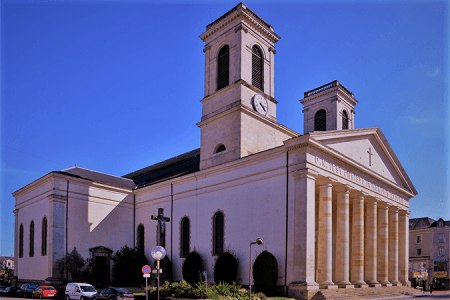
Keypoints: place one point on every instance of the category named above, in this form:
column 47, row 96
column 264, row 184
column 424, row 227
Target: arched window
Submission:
column 44, row 237
column 344, row 120
column 218, row 223
column 32, row 239
column 220, row 148
column 140, row 239
column 223, row 67
column 185, row 236
column 320, row 121
column 21, row 241
column 257, row 68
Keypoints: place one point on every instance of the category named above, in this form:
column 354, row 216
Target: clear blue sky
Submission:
column 115, row 86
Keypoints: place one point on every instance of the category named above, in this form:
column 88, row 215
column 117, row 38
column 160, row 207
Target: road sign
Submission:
column 146, row 269
column 146, row 275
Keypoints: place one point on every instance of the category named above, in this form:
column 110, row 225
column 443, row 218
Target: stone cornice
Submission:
column 351, row 165
column 338, row 90
column 242, row 14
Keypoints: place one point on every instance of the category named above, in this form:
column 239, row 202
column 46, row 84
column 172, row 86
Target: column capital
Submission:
column 326, row 181
column 16, row 212
column 403, row 212
column 57, row 198
column 305, row 173
column 394, row 209
column 382, row 204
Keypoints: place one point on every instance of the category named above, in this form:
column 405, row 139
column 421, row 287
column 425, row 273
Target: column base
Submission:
column 304, row 290
column 360, row 284
column 345, row 286
column 396, row 284
column 327, row 286
column 375, row 285
column 406, row 283
column 385, row 283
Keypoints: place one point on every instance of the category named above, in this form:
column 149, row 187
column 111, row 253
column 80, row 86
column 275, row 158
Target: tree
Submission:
column 75, row 265
column 128, row 263
column 226, row 268
column 192, row 268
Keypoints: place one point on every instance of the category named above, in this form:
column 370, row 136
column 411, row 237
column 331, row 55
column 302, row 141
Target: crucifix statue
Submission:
column 162, row 226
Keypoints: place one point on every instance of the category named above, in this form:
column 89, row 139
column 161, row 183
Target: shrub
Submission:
column 265, row 272
column 128, row 263
column 226, row 268
column 192, row 268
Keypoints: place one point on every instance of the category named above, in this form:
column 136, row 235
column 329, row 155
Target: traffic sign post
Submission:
column 146, row 270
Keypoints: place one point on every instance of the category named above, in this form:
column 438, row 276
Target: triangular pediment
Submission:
column 369, row 148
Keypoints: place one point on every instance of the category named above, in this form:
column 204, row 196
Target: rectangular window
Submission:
column 441, row 251
column 419, row 252
column 419, row 239
column 441, row 238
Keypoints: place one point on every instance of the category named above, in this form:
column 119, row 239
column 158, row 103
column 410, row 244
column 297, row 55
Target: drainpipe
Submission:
column 171, row 218
column 134, row 221
column 67, row 227
column 287, row 216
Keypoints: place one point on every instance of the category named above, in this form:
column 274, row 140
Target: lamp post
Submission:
column 259, row 241
column 158, row 253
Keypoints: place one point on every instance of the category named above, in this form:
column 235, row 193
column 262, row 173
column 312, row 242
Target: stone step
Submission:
column 365, row 293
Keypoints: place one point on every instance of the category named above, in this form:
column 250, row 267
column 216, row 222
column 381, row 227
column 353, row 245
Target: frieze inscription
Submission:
column 343, row 172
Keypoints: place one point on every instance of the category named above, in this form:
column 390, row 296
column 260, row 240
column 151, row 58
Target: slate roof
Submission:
column 174, row 167
column 98, row 177
column 435, row 223
column 420, row 223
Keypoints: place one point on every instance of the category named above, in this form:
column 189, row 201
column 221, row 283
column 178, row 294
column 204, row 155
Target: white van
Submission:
column 79, row 291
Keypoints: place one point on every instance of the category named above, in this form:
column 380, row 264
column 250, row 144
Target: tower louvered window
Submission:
column 344, row 120
column 320, row 121
column 223, row 67
column 257, row 68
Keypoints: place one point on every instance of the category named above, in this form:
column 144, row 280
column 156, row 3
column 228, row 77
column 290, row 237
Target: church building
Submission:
column 331, row 204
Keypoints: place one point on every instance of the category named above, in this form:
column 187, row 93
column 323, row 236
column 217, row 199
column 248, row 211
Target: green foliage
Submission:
column 226, row 268
column 192, row 268
column 127, row 268
column 75, row 264
column 265, row 272
column 216, row 292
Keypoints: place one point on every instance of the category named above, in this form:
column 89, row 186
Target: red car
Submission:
column 44, row 292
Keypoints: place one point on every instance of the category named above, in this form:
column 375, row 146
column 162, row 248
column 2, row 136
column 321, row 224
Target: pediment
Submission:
column 369, row 148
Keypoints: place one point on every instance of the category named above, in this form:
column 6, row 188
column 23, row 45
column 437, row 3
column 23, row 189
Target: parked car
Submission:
column 79, row 291
column 44, row 292
column 26, row 289
column 10, row 291
column 111, row 293
column 60, row 290
column 2, row 288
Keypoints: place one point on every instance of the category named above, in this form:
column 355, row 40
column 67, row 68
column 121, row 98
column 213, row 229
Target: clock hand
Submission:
column 262, row 106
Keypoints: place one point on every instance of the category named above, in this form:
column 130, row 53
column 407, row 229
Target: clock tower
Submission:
column 239, row 108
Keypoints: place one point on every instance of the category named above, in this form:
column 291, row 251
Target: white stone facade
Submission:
column 332, row 206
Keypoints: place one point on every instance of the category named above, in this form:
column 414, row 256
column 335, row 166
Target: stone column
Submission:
column 382, row 245
column 393, row 246
column 358, row 242
column 301, row 270
column 343, row 240
column 403, row 247
column 370, row 249
column 325, row 237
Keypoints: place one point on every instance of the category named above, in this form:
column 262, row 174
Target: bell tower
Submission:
column 328, row 107
column 239, row 108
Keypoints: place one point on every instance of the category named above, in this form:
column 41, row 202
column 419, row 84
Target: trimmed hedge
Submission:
column 192, row 268
column 265, row 272
column 226, row 268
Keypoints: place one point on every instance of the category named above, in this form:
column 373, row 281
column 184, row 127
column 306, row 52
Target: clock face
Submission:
column 260, row 104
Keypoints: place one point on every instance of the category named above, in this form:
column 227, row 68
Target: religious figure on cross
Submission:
column 162, row 226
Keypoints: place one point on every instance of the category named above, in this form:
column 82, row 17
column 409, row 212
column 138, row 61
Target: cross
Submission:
column 162, row 226
column 370, row 156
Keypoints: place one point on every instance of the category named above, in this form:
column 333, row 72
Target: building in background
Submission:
column 429, row 251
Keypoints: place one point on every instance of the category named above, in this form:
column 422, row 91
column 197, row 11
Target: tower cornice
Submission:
column 246, row 16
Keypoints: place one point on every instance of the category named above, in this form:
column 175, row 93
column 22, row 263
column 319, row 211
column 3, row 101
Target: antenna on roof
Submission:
column 75, row 165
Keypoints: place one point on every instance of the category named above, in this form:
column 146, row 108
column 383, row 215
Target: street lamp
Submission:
column 158, row 253
column 259, row 241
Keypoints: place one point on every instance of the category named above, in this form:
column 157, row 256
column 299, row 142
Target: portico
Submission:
column 359, row 217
